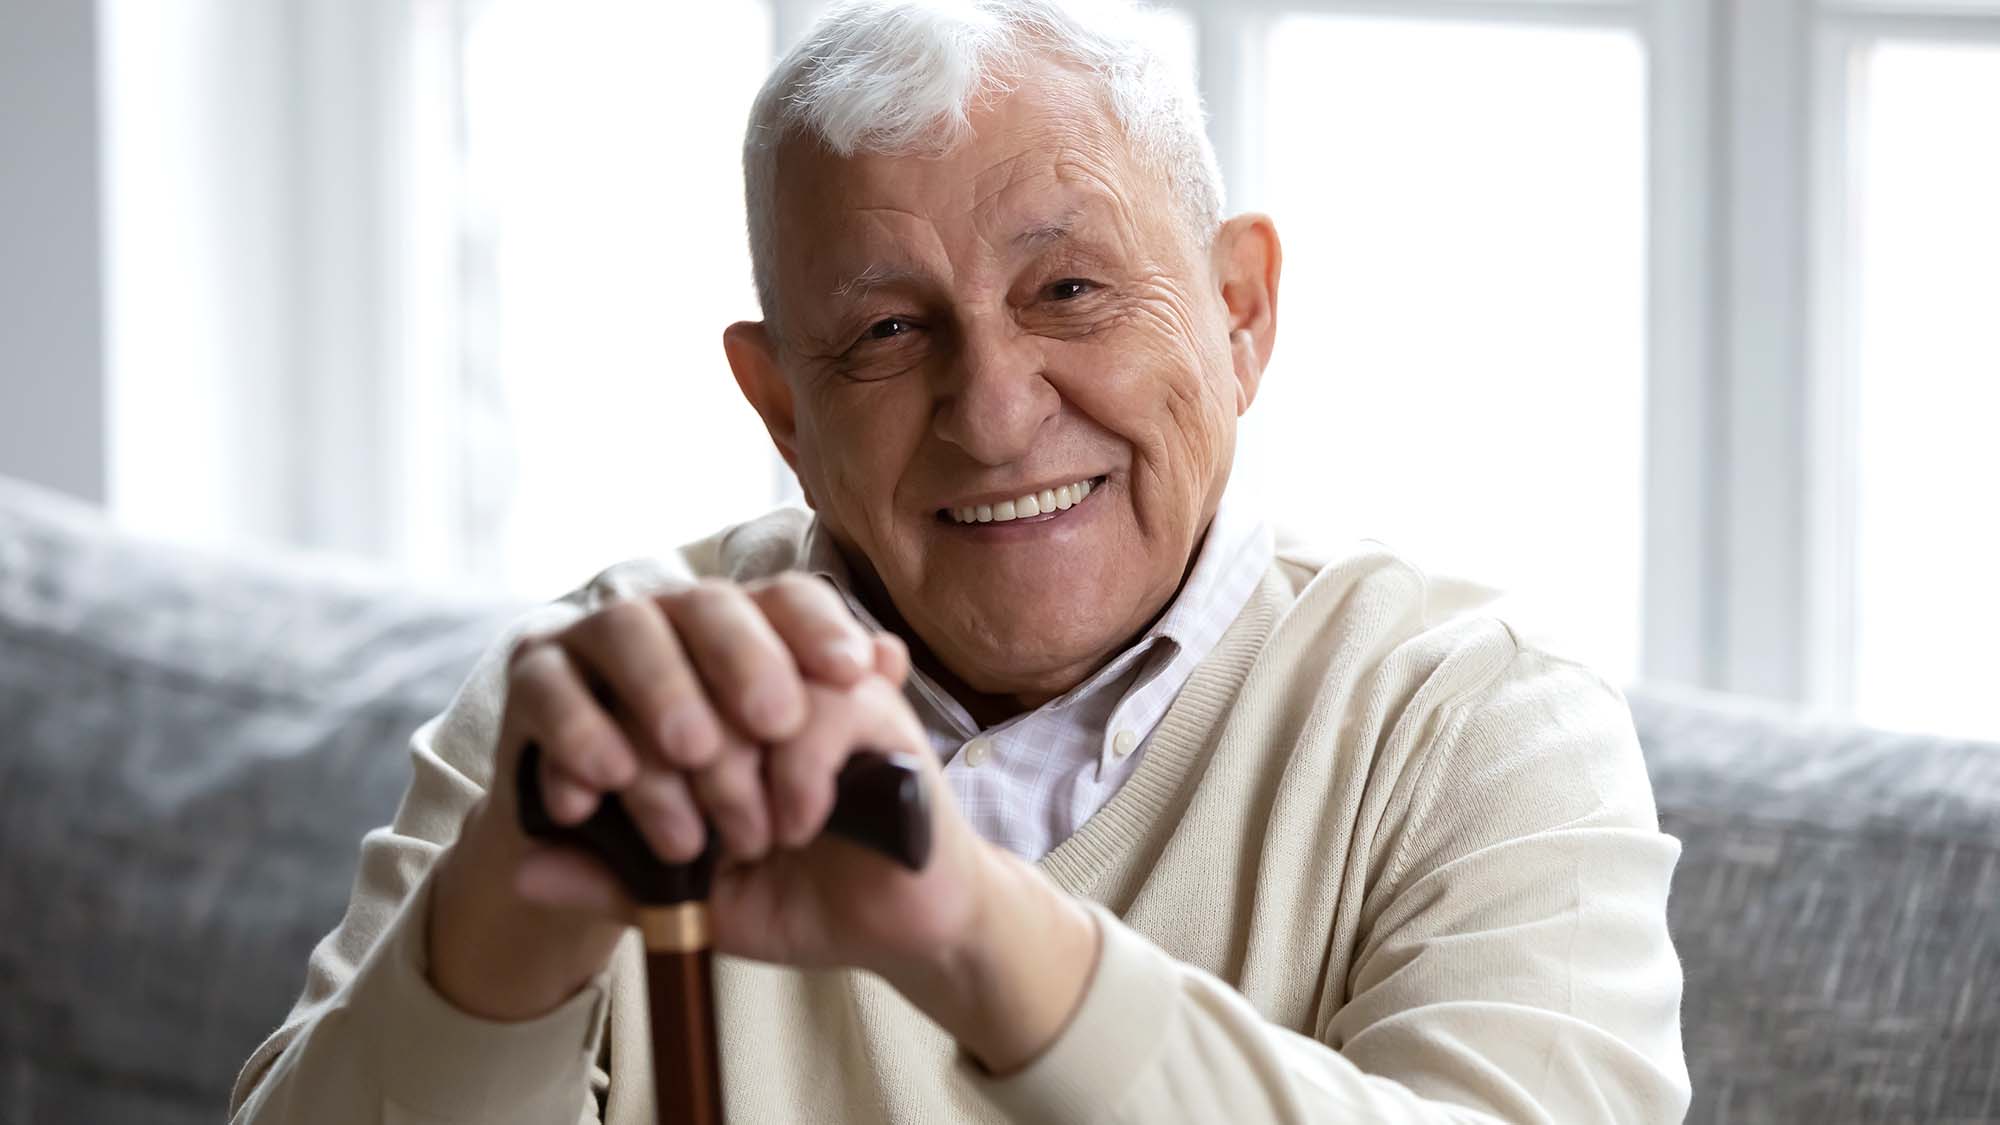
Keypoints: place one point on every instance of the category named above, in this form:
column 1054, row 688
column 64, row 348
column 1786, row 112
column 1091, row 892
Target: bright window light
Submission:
column 1928, row 519
column 1460, row 363
column 603, row 158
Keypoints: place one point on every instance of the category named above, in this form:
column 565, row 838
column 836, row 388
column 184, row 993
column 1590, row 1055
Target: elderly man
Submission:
column 1226, row 830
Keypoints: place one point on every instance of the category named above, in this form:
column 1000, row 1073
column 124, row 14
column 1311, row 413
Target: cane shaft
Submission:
column 680, row 994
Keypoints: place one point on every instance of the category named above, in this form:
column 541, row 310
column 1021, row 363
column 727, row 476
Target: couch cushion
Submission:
column 1836, row 910
column 190, row 748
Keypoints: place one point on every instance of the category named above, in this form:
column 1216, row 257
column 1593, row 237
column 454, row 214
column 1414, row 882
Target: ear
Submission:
column 1246, row 259
column 753, row 358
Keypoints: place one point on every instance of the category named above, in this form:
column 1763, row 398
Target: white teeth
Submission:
column 1021, row 507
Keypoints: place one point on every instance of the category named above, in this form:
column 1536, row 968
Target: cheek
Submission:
column 1166, row 396
column 856, row 443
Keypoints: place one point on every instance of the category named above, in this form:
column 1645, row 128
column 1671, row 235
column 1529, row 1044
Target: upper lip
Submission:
column 1002, row 495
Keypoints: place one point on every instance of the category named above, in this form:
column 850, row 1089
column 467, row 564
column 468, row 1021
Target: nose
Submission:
column 996, row 399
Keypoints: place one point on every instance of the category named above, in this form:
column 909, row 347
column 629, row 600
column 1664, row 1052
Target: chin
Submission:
column 1047, row 648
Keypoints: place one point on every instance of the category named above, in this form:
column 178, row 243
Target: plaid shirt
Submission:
column 1026, row 784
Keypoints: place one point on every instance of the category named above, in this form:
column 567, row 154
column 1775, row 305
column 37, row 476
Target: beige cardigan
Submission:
column 1383, row 860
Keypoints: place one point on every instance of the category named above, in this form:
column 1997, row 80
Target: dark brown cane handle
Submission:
column 880, row 802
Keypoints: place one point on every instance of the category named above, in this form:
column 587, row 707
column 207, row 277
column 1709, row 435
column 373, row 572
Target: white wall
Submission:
column 52, row 396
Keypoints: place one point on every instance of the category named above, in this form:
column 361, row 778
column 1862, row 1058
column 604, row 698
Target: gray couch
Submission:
column 190, row 748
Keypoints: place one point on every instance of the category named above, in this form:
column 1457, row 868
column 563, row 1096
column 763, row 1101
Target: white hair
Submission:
column 899, row 77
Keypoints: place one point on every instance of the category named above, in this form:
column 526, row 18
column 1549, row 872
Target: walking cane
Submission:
column 879, row 803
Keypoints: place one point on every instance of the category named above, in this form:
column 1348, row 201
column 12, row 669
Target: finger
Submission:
column 629, row 647
column 664, row 810
column 731, row 794
column 880, row 718
column 751, row 677
column 799, row 772
column 892, row 658
column 555, row 708
column 567, row 879
column 565, row 799
column 828, row 644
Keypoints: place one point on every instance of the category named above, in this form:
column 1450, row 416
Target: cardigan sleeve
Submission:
column 369, row 1038
column 1514, row 963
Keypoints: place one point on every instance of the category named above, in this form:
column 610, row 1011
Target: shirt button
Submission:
column 1123, row 743
column 977, row 751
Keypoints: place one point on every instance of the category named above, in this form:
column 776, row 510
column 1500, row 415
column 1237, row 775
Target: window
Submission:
column 601, row 156
column 1927, row 194
column 1461, row 372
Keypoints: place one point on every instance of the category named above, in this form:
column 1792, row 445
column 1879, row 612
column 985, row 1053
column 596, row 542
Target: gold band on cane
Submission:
column 680, row 928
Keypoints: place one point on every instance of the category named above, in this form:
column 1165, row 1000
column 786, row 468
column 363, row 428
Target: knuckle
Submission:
column 712, row 591
column 817, row 601
column 740, row 786
column 577, row 731
column 525, row 648
column 658, row 793
column 792, row 586
column 602, row 627
column 615, row 617
column 734, row 780
column 875, row 693
column 528, row 679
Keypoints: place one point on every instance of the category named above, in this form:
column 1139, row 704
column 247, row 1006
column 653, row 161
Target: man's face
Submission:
column 1026, row 316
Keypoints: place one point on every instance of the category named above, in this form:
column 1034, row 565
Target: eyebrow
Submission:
column 875, row 277
column 1043, row 233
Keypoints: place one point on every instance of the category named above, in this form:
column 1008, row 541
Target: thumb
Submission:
column 892, row 658
column 567, row 879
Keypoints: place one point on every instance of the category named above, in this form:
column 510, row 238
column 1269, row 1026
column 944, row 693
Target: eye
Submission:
column 1069, row 288
column 888, row 327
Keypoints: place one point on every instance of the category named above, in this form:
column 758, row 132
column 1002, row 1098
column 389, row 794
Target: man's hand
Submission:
column 737, row 706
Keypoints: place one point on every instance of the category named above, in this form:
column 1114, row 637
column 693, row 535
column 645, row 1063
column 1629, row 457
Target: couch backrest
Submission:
column 1836, row 910
column 189, row 751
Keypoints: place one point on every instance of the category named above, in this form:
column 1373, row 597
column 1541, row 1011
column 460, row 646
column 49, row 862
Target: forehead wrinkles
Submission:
column 866, row 244
column 1060, row 188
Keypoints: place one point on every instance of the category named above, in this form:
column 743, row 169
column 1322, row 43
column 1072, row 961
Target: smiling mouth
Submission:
column 1046, row 504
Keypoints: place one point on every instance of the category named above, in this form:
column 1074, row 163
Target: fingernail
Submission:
column 854, row 654
column 689, row 836
column 577, row 804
